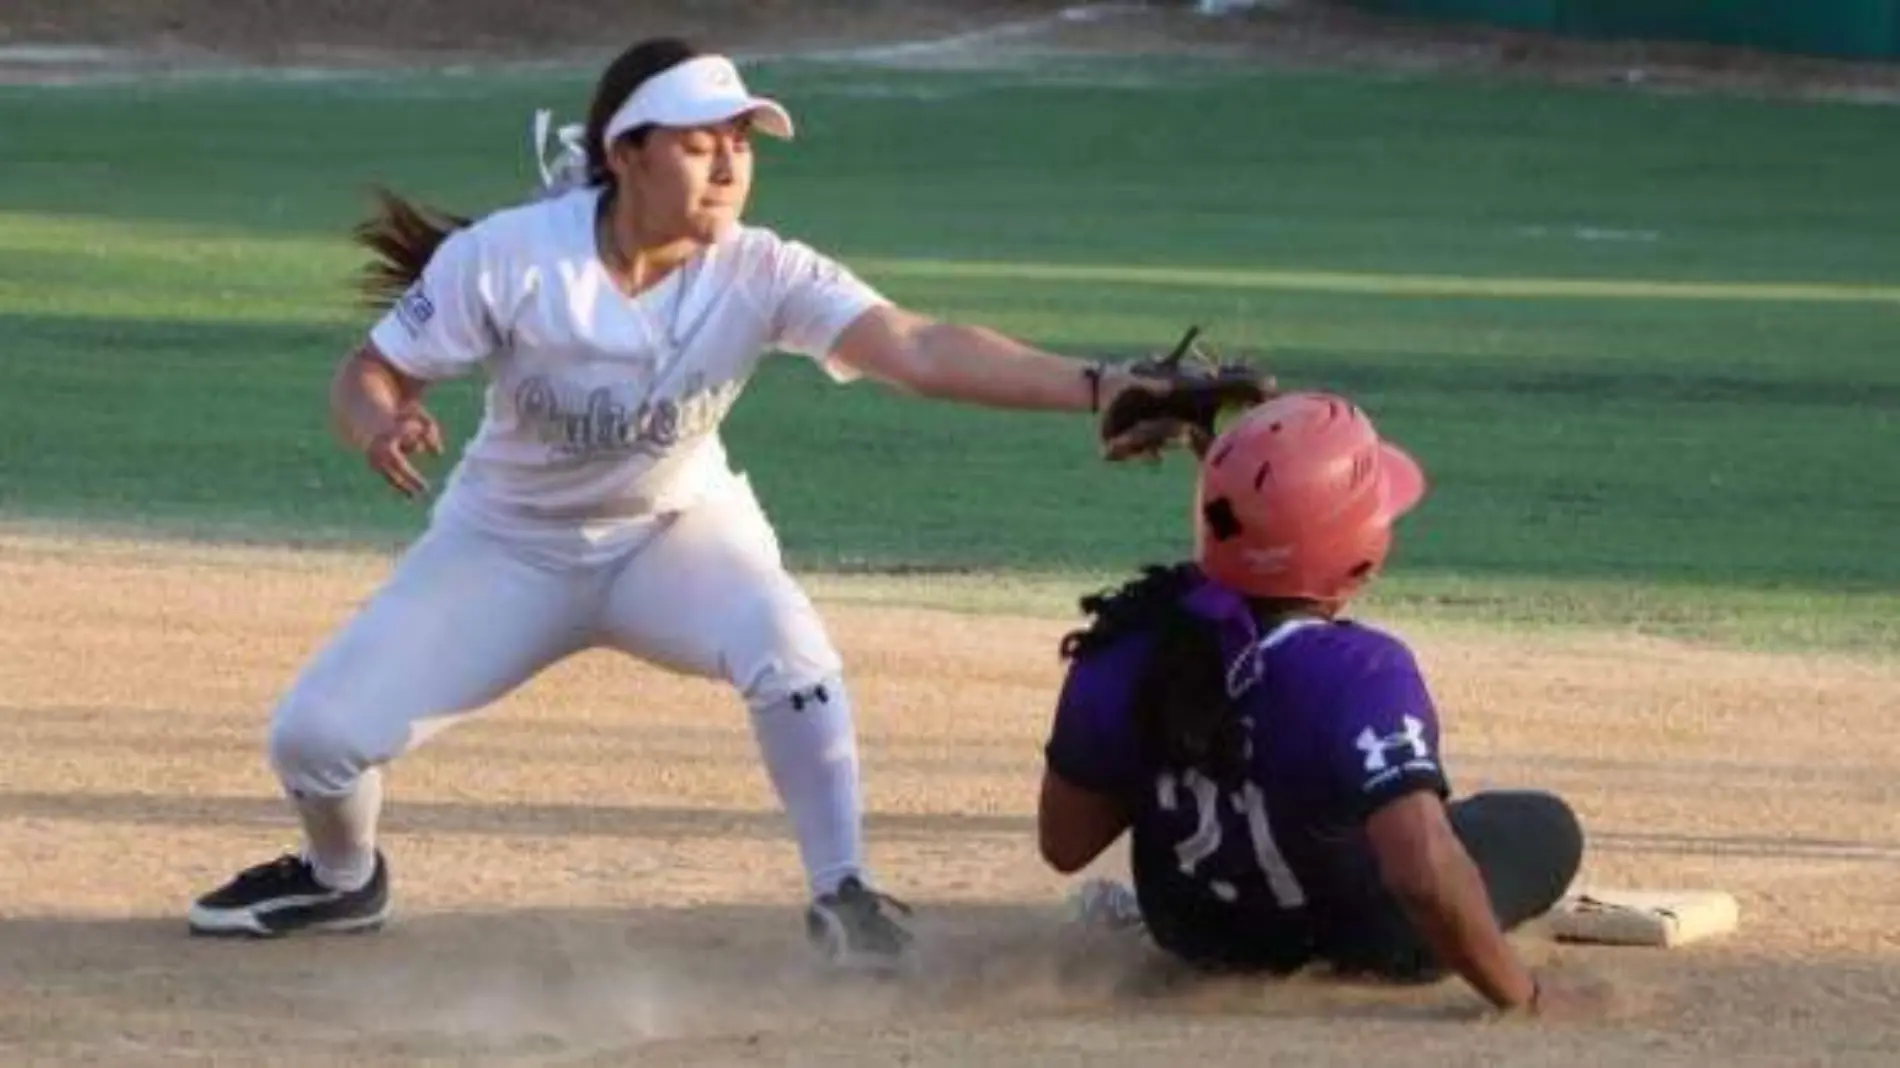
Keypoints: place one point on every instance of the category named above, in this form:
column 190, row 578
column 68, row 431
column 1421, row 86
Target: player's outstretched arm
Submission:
column 1142, row 406
column 1428, row 871
column 973, row 364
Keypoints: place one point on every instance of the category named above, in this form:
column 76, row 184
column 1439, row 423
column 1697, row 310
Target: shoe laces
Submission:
column 271, row 870
column 855, row 889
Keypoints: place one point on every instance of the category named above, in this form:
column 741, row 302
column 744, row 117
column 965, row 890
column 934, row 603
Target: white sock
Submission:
column 340, row 833
column 811, row 754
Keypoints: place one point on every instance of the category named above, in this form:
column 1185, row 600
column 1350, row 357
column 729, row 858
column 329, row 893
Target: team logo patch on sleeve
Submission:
column 1388, row 756
column 414, row 311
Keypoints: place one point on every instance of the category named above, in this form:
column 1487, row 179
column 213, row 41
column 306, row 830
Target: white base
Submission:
column 1659, row 918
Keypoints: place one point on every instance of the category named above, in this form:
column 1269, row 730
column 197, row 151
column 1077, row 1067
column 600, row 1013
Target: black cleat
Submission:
column 283, row 897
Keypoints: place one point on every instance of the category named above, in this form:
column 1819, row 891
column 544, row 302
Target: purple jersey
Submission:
column 1338, row 721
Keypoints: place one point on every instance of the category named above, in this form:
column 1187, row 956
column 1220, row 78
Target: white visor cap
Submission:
column 699, row 92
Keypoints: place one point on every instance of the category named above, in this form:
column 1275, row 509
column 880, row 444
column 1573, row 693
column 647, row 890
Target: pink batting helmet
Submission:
column 1297, row 499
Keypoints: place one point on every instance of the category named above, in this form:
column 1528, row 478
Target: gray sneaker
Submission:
column 1106, row 905
column 853, row 928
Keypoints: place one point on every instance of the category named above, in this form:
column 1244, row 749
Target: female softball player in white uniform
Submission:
column 615, row 322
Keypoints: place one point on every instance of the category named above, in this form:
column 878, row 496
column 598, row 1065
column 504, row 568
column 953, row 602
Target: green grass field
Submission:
column 1645, row 345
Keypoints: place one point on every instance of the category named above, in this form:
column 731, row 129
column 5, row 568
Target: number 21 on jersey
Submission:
column 1248, row 802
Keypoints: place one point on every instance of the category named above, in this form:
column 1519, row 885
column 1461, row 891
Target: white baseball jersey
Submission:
column 603, row 411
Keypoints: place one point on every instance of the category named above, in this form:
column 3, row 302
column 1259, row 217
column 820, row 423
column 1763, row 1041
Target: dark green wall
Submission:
column 1857, row 29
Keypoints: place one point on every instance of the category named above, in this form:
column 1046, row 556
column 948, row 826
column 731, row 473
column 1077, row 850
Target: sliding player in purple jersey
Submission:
column 1277, row 765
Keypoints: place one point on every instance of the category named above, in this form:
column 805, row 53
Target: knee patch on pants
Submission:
column 782, row 693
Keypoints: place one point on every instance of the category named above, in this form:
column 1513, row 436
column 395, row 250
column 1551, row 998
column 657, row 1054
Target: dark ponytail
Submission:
column 1183, row 716
column 402, row 235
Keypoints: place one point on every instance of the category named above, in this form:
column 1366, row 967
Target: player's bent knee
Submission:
column 797, row 693
column 777, row 655
column 313, row 749
column 1548, row 820
column 1560, row 828
column 1549, row 831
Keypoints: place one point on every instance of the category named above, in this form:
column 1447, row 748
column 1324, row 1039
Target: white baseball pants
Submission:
column 465, row 618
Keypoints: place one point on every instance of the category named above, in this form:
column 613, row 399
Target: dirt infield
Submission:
column 593, row 873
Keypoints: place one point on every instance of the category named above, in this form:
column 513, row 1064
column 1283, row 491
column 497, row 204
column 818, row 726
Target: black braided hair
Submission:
column 1183, row 716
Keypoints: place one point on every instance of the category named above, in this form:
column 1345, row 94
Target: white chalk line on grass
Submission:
column 1593, row 234
column 59, row 55
column 62, row 65
column 1390, row 285
column 969, row 42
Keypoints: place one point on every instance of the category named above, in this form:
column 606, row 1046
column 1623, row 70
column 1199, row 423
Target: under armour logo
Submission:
column 816, row 693
column 1376, row 746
